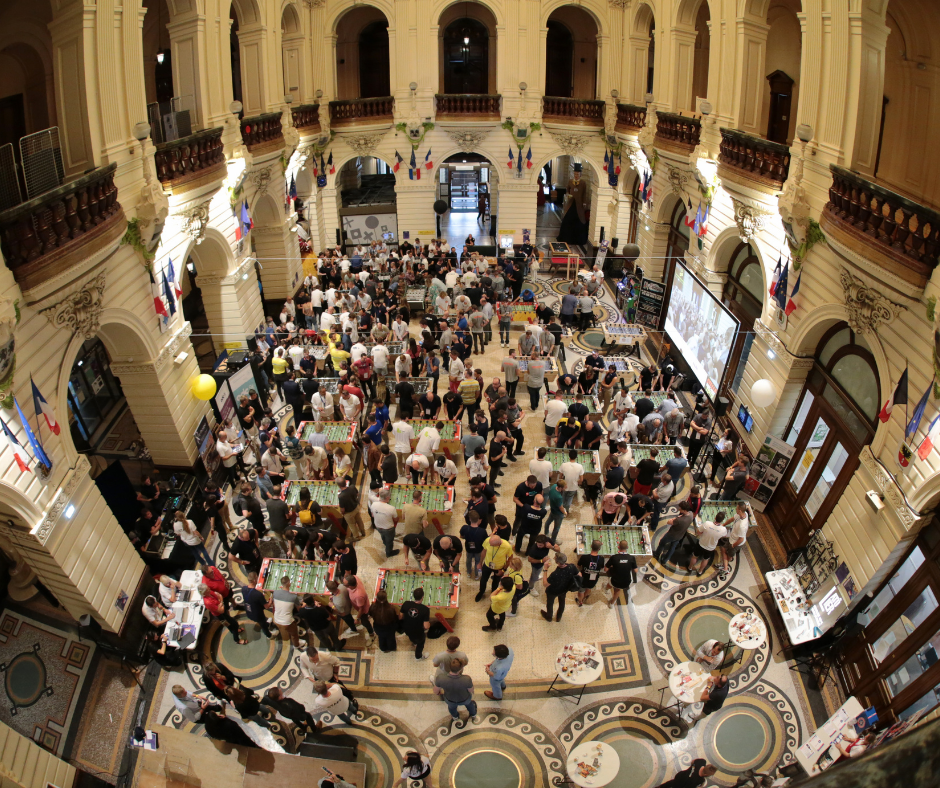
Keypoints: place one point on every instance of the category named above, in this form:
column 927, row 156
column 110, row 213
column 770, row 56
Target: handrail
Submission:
column 306, row 116
column 468, row 104
column 351, row 110
column 189, row 155
column 261, row 129
column 678, row 129
column 630, row 117
column 52, row 220
column 761, row 159
column 576, row 109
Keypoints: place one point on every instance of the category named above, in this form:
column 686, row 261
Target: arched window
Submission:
column 466, row 57
column 835, row 418
column 743, row 295
column 374, row 77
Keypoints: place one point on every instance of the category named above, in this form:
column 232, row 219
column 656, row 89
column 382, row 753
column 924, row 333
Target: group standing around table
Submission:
column 326, row 355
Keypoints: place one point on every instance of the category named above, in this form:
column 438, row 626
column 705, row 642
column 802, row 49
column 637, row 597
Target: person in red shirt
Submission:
column 215, row 604
column 363, row 369
column 360, row 602
column 214, row 580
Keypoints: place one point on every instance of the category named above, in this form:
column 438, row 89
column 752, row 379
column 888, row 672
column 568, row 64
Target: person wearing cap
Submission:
column 574, row 226
column 612, row 507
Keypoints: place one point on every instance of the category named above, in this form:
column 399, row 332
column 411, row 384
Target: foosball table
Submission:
column 521, row 313
column 339, row 434
column 319, row 353
column 623, row 335
column 610, row 537
column 324, row 493
column 416, row 298
column 551, row 368
column 594, row 406
column 642, row 451
column 306, row 577
column 420, row 386
column 451, row 434
column 441, row 590
column 589, row 460
column 437, row 499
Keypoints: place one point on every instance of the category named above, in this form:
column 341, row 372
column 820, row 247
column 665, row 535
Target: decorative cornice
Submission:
column 750, row 219
column 571, row 143
column 619, row 3
column 61, row 498
column 80, row 312
column 314, row 3
column 887, row 486
column 867, row 307
column 170, row 351
column 363, row 144
column 195, row 220
column 468, row 139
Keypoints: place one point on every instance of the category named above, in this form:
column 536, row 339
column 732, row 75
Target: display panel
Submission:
column 701, row 329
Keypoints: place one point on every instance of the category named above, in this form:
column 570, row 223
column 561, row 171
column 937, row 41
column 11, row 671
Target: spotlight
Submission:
column 160, row 57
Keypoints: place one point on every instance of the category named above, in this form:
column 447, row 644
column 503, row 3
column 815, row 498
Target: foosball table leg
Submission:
column 437, row 525
column 444, row 621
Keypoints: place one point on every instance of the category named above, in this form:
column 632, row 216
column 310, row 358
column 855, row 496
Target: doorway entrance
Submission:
column 463, row 179
column 94, row 395
column 781, row 97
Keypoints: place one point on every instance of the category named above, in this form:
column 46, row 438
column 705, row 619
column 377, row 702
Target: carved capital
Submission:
column 80, row 312
column 867, row 307
column 468, row 139
column 364, row 144
column 314, row 3
column 195, row 220
column 749, row 218
column 61, row 499
column 571, row 143
column 619, row 3
column 170, row 351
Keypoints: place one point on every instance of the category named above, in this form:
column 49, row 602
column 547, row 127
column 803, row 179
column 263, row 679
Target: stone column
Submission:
column 22, row 577
column 190, row 66
column 233, row 304
column 749, row 78
column 279, row 254
column 159, row 396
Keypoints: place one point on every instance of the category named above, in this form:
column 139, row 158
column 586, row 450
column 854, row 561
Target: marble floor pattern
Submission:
column 524, row 739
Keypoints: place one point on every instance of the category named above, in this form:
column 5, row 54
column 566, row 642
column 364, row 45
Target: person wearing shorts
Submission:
column 591, row 565
column 621, row 573
column 709, row 535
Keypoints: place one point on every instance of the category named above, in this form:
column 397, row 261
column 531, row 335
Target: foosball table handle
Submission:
column 444, row 621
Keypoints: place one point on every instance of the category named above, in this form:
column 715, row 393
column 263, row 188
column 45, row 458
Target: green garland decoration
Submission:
column 235, row 196
column 425, row 128
column 932, row 308
column 132, row 238
column 814, row 235
column 283, row 163
column 511, row 128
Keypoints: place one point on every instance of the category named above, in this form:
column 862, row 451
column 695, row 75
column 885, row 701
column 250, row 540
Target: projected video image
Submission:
column 701, row 328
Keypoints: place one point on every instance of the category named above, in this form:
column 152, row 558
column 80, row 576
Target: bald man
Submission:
column 448, row 550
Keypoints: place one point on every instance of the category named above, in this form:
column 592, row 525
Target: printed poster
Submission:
column 767, row 471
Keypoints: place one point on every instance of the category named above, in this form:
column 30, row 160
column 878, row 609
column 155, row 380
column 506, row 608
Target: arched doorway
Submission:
column 782, row 69
column 571, row 54
column 363, row 69
column 292, row 41
column 702, row 53
column 834, row 419
column 366, row 200
column 743, row 294
column 94, row 396
column 467, row 50
column 468, row 183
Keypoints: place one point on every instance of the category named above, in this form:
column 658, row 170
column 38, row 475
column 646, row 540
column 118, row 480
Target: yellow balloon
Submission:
column 204, row 387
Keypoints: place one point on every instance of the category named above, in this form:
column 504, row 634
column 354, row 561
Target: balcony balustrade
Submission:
column 191, row 160
column 367, row 111
column 677, row 132
column 630, row 118
column 262, row 131
column 467, row 106
column 306, row 117
column 754, row 158
column 577, row 112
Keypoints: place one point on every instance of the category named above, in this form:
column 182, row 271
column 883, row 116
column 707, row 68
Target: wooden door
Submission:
column 559, row 66
column 781, row 96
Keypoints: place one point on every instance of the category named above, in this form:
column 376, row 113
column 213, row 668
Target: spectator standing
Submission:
column 497, row 670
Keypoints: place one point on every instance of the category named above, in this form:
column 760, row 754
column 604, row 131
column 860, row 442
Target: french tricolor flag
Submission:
column 933, row 436
column 39, row 402
column 18, row 454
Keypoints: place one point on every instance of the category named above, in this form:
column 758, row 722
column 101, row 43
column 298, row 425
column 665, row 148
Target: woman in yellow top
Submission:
column 281, row 367
column 338, row 355
column 500, row 602
column 514, row 572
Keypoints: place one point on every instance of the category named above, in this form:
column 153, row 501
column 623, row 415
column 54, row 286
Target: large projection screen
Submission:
column 702, row 330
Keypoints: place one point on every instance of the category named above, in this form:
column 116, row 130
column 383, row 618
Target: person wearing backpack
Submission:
column 565, row 578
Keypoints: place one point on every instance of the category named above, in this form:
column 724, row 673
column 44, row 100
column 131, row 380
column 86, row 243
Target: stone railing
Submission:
column 677, row 131
column 262, row 130
column 630, row 117
column 468, row 106
column 189, row 158
column 581, row 112
column 306, row 117
column 757, row 159
column 37, row 235
column 877, row 221
column 349, row 112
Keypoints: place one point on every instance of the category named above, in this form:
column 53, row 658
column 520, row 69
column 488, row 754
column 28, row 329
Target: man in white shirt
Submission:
column 477, row 465
column 331, row 296
column 419, row 465
column 357, row 351
column 623, row 402
column 228, row 455
column 385, row 517
column 617, row 432
column 350, row 407
column 322, row 405
column 442, row 305
column 541, row 468
column 402, row 435
column 709, row 534
column 573, row 472
column 400, row 330
column 554, row 409
column 455, row 370
column 632, row 421
column 380, row 358
column 429, row 439
column 318, row 665
column 296, row 352
column 732, row 545
column 327, row 320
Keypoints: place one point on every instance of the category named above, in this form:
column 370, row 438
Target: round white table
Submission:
column 747, row 631
column 607, row 767
column 584, row 672
column 691, row 691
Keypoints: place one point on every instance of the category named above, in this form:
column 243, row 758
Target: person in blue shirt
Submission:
column 381, row 413
column 676, row 464
column 373, row 433
column 255, row 605
column 497, row 670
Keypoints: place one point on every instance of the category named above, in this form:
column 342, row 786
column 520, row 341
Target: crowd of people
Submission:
column 353, row 308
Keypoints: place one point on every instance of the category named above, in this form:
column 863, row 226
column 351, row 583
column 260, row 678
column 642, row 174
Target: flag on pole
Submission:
column 780, row 293
column 18, row 454
column 619, row 162
column 520, row 160
column 791, row 304
column 774, row 278
column 176, row 288
column 41, row 406
column 427, row 160
column 247, row 223
column 606, row 160
column 697, row 224
column 512, row 158
column 398, row 161
column 418, row 173
column 34, row 444
column 649, row 188
column 914, row 424
column 329, row 163
column 170, row 301
column 904, row 455
column 293, row 188
column 413, row 165
column 703, row 226
column 689, row 218
column 528, row 158
column 930, row 440
column 158, row 304
column 899, row 397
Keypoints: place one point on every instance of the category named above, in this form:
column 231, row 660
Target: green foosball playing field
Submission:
column 335, row 431
column 641, row 452
column 399, row 586
column 447, row 433
column 610, row 537
column 323, row 493
column 559, row 456
column 433, row 498
column 306, row 577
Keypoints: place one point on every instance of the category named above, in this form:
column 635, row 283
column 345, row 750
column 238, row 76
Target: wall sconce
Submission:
column 319, row 93
column 160, row 58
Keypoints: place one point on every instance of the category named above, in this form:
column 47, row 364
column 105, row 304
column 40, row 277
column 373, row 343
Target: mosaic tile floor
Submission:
column 524, row 739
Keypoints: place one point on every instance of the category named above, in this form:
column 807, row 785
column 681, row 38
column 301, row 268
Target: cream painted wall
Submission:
column 29, row 765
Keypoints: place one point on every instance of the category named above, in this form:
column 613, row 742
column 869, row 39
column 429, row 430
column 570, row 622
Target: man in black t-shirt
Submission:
column 539, row 548
column 531, row 519
column 420, row 545
column 693, row 777
column 416, row 621
column 590, row 437
column 316, row 618
column 245, row 550
column 523, row 496
column 453, row 405
column 496, row 454
column 644, row 405
column 647, row 376
column 448, row 550
column 430, row 405
column 591, row 565
column 578, row 409
column 568, row 430
column 567, row 382
column 641, row 507
column 557, row 585
column 621, row 572
column 405, row 393
column 646, row 473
